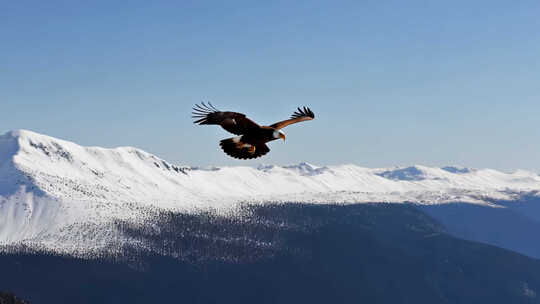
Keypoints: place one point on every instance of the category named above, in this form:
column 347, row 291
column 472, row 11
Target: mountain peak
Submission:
column 411, row 173
column 23, row 133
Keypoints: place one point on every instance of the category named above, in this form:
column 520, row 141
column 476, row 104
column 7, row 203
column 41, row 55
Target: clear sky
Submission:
column 391, row 82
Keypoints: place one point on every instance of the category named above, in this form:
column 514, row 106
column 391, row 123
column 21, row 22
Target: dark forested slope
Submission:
column 292, row 253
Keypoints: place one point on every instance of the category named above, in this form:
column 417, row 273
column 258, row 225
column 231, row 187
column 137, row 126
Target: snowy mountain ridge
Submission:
column 60, row 195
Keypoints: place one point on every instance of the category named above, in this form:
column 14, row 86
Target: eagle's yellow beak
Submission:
column 282, row 136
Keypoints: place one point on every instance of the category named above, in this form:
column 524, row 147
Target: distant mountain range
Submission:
column 64, row 197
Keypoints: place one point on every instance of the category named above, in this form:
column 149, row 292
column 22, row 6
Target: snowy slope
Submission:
column 64, row 196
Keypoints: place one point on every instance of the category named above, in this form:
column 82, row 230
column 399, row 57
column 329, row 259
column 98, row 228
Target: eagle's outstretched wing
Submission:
column 298, row 116
column 236, row 123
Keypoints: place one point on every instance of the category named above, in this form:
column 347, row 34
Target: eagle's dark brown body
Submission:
column 259, row 136
column 252, row 138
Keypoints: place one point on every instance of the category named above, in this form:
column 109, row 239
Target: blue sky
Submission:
column 391, row 82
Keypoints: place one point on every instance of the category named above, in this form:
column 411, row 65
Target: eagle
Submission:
column 252, row 138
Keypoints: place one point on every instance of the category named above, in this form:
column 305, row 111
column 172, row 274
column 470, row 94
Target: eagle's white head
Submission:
column 279, row 134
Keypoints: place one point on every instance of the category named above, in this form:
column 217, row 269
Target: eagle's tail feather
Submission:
column 236, row 148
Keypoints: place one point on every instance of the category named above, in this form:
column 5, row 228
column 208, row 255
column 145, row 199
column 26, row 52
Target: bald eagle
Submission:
column 252, row 138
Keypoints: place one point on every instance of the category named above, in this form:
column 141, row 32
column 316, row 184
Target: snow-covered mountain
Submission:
column 63, row 196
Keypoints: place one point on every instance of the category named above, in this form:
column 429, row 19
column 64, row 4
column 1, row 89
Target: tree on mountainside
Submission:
column 9, row 298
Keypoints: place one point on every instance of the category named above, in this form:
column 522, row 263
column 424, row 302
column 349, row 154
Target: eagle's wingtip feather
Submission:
column 201, row 112
column 305, row 112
